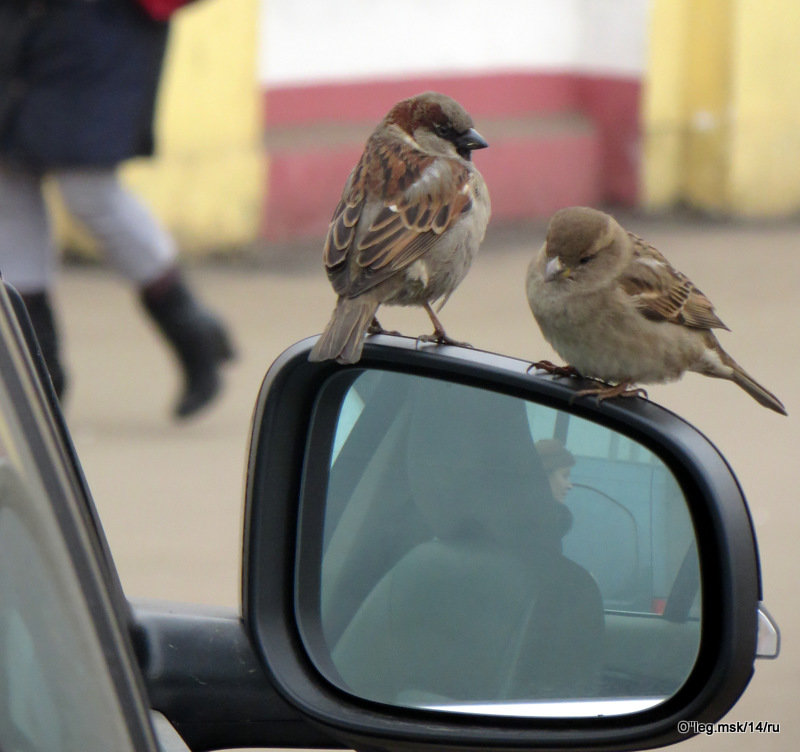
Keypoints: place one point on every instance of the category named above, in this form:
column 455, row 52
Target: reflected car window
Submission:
column 623, row 492
column 480, row 550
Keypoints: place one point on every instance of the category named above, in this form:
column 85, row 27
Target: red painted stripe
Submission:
column 528, row 176
column 613, row 106
column 555, row 139
column 496, row 95
column 303, row 190
column 535, row 176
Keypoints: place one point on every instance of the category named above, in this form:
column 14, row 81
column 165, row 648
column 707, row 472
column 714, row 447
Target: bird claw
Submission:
column 561, row 371
column 388, row 332
column 602, row 391
column 440, row 338
column 376, row 328
column 607, row 391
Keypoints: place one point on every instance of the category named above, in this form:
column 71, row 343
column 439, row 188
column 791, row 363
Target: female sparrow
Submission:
column 616, row 310
column 406, row 230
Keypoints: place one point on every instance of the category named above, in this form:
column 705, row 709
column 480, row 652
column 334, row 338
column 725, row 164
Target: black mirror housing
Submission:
column 286, row 486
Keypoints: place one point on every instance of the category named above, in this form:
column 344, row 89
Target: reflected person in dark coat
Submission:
column 78, row 84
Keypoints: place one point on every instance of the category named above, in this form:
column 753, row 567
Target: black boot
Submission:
column 198, row 338
column 41, row 316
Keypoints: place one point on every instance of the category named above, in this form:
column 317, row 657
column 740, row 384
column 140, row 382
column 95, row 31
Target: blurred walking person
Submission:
column 78, row 84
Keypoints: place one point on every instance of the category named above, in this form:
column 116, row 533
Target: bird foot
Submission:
column 376, row 328
column 440, row 338
column 545, row 365
column 606, row 391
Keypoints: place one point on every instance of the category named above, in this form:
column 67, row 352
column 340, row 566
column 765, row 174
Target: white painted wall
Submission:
column 316, row 41
column 612, row 36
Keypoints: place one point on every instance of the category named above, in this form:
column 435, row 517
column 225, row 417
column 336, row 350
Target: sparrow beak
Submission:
column 468, row 141
column 554, row 269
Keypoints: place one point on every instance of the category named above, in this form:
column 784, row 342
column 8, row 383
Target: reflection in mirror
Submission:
column 482, row 553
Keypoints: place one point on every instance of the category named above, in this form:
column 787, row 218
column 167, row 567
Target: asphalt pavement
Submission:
column 170, row 494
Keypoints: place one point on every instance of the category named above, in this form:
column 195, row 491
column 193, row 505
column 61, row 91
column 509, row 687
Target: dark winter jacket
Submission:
column 78, row 82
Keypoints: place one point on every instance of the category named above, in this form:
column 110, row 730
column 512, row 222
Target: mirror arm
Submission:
column 201, row 672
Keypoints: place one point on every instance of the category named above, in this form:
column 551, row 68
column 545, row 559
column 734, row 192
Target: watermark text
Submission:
column 731, row 727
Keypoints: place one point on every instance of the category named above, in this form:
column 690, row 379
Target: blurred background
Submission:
column 679, row 116
column 650, row 104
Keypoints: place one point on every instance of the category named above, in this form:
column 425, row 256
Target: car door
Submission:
column 68, row 681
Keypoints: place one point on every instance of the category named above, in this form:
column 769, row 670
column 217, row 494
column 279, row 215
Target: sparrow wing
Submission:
column 662, row 293
column 396, row 204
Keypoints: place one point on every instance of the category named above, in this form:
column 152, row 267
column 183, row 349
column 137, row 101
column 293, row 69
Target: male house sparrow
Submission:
column 616, row 310
column 406, row 230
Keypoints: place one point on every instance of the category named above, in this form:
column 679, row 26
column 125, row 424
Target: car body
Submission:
column 377, row 496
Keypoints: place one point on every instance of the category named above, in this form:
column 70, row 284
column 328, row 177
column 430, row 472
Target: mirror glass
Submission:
column 481, row 553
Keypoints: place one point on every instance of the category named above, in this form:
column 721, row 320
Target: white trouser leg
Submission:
column 27, row 251
column 136, row 243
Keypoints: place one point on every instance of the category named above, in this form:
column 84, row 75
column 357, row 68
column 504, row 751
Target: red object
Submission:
column 658, row 605
column 161, row 10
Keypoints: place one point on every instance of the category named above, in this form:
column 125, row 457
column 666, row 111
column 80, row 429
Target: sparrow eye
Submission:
column 585, row 259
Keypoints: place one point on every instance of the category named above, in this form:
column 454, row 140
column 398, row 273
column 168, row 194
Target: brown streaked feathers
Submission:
column 664, row 293
column 411, row 217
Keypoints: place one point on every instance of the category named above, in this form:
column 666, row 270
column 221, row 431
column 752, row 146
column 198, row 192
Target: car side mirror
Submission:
column 445, row 550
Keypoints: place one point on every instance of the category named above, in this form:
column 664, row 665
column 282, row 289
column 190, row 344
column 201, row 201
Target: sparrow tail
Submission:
column 756, row 391
column 719, row 364
column 343, row 338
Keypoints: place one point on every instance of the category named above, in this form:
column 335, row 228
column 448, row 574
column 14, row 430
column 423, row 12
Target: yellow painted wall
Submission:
column 206, row 180
column 663, row 104
column 765, row 144
column 721, row 117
